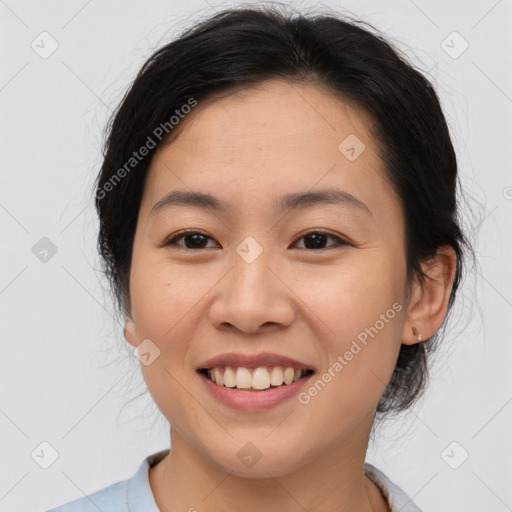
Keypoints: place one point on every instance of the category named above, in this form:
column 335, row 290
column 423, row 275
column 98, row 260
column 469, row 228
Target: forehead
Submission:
column 277, row 114
column 274, row 137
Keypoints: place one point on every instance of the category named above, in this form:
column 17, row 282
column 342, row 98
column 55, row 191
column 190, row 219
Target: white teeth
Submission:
column 243, row 378
column 289, row 373
column 257, row 379
column 260, row 378
column 276, row 377
column 229, row 377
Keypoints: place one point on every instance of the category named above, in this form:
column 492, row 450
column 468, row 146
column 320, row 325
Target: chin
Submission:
column 249, row 462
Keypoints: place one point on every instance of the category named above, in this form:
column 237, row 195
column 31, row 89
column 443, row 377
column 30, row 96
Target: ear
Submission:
column 130, row 332
column 429, row 297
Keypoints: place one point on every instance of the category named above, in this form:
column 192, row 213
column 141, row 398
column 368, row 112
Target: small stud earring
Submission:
column 418, row 334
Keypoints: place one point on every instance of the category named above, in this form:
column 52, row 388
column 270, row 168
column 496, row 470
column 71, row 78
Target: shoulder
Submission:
column 397, row 499
column 133, row 494
column 113, row 498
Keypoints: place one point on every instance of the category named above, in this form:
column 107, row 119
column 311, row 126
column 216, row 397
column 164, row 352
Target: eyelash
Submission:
column 174, row 239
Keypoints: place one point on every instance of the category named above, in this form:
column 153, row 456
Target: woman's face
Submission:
column 258, row 278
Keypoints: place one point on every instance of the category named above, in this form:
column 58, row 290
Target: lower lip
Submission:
column 254, row 400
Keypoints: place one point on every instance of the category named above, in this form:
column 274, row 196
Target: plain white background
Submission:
column 68, row 381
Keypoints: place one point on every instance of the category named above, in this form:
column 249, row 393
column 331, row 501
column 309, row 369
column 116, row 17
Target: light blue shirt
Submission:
column 135, row 495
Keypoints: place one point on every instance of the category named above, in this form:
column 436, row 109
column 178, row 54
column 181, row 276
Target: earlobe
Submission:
column 130, row 332
column 429, row 300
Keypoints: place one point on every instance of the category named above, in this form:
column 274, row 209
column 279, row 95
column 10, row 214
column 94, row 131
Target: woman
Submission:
column 278, row 219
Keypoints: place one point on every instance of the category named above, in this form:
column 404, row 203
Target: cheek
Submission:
column 160, row 309
column 161, row 297
column 160, row 305
column 361, row 315
column 353, row 297
column 362, row 347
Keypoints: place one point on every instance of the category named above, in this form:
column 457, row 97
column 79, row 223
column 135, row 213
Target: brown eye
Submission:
column 315, row 240
column 193, row 240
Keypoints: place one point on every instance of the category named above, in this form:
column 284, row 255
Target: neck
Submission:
column 187, row 480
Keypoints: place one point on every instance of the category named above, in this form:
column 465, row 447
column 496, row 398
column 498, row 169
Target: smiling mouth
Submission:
column 254, row 379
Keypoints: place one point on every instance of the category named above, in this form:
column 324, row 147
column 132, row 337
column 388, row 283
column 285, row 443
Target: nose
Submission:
column 252, row 297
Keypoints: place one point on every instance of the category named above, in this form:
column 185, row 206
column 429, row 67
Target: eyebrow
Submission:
column 292, row 201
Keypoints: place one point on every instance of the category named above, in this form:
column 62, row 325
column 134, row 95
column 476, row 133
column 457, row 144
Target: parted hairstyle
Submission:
column 241, row 47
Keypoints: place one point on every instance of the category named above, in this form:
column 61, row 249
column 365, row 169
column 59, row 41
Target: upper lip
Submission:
column 253, row 361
